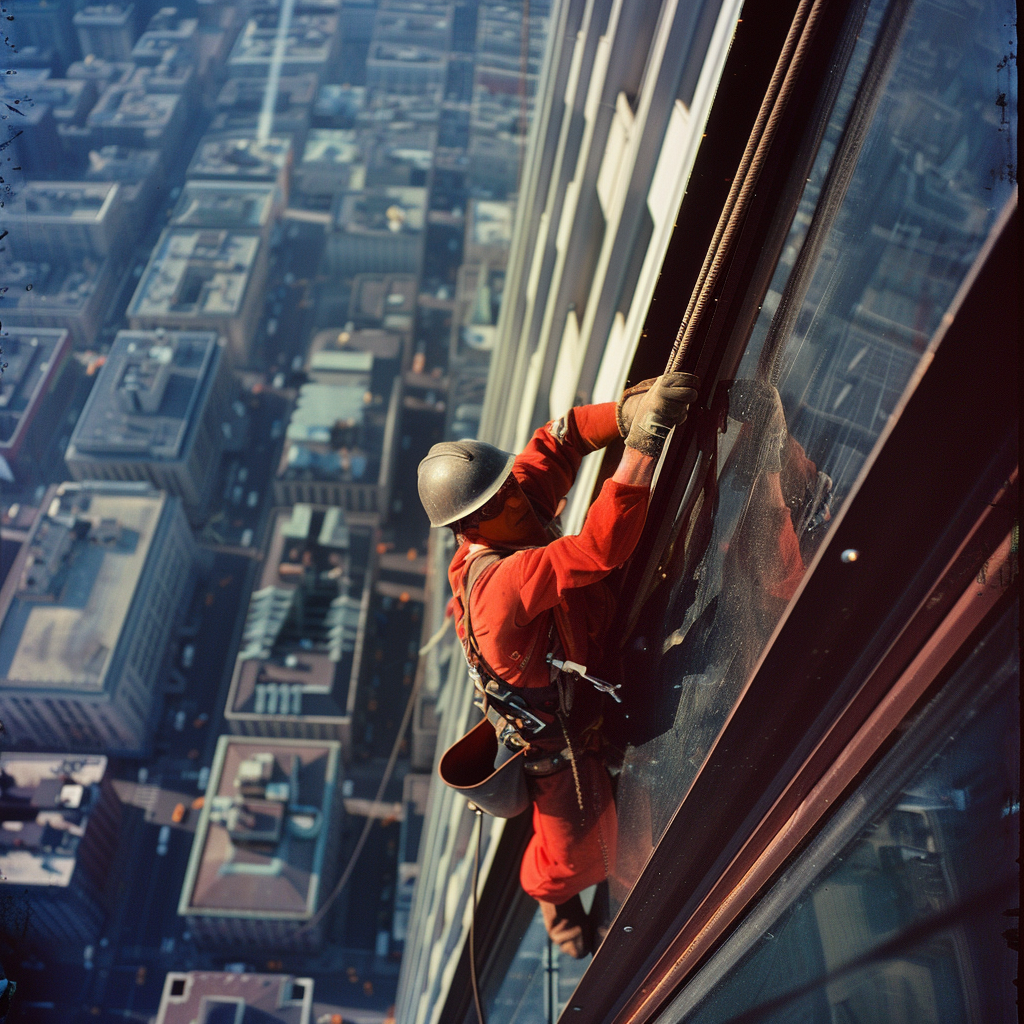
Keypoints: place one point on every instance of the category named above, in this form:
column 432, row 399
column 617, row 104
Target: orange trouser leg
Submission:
column 570, row 850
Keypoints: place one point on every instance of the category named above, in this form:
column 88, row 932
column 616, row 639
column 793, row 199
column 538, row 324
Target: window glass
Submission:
column 924, row 120
column 908, row 920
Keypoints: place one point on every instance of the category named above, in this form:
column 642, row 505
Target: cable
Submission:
column 472, row 921
column 780, row 87
column 385, row 779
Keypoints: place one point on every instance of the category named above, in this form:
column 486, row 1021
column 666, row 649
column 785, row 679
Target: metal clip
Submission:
column 581, row 671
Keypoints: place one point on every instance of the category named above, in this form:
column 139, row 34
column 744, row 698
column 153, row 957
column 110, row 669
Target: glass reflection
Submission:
column 816, row 388
column 934, row 854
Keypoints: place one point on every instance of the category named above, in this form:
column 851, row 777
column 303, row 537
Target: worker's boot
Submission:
column 568, row 927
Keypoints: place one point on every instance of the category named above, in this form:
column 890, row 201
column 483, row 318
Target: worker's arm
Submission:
column 547, row 466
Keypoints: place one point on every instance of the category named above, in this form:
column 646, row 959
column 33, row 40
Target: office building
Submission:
column 106, row 31
column 158, row 412
column 59, row 821
column 168, row 29
column 61, row 221
column 203, row 279
column 415, row 23
column 102, row 73
column 340, row 440
column 60, row 293
column 265, row 851
column 138, row 172
column 46, row 26
column 329, row 348
column 58, row 105
column 240, row 103
column 174, row 74
column 88, row 609
column 339, row 103
column 207, row 997
column 399, row 151
column 310, row 46
column 302, row 646
column 243, row 158
column 331, row 163
column 378, row 230
column 231, row 205
column 127, row 115
column 405, row 70
column 34, row 393
column 385, row 301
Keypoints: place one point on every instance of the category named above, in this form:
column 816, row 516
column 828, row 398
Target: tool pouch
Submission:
column 468, row 766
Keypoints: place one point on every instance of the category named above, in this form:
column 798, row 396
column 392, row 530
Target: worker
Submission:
column 535, row 616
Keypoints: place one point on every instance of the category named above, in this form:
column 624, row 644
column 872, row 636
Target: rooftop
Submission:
column 260, row 841
column 299, row 643
column 45, row 804
column 67, row 596
column 391, row 210
column 105, row 14
column 51, row 288
column 197, row 272
column 247, row 93
column 331, row 146
column 147, row 396
column 234, row 206
column 201, row 997
column 376, row 296
column 240, row 158
column 123, row 164
column 32, row 356
column 127, row 105
column 167, row 29
column 97, row 69
column 309, row 41
column 55, row 202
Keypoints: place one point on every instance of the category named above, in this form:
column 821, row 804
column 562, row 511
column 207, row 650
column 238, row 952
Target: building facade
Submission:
column 264, row 856
column 205, row 996
column 59, row 822
column 89, row 607
column 156, row 413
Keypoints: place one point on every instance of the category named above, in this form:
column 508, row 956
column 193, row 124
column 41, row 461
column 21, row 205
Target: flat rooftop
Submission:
column 49, row 287
column 309, row 40
column 196, row 998
column 61, row 202
column 66, row 598
column 260, row 841
column 234, row 206
column 45, row 804
column 148, row 395
column 247, row 93
column 32, row 356
column 196, row 272
column 129, row 106
column 240, row 158
column 392, row 210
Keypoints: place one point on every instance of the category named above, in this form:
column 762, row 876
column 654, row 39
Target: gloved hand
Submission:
column 659, row 408
column 758, row 403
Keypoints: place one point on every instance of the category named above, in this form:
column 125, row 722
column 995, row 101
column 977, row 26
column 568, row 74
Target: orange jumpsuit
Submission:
column 536, row 596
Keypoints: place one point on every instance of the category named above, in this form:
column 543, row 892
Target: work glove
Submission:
column 660, row 407
column 758, row 403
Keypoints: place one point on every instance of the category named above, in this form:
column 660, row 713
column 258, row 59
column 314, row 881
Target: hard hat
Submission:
column 458, row 477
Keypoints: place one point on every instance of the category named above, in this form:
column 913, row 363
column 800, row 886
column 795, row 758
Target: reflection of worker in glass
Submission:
column 531, row 594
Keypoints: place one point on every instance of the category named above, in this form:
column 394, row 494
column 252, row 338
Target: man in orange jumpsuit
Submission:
column 533, row 594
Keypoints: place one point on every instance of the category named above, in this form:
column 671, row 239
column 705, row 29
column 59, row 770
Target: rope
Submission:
column 472, row 921
column 572, row 763
column 365, row 834
column 781, row 86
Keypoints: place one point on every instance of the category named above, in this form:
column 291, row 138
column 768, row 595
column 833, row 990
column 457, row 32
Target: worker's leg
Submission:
column 570, row 849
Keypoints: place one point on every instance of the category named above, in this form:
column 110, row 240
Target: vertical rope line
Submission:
column 472, row 921
column 780, row 88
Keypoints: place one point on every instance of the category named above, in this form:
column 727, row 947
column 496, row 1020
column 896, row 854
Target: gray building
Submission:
column 302, row 649
column 265, row 851
column 58, row 293
column 241, row 157
column 58, row 220
column 46, row 26
column 107, row 30
column 310, row 45
column 240, row 103
column 157, row 412
column 377, row 231
column 127, row 115
column 419, row 23
column 206, row 997
column 59, row 820
column 340, row 440
column 168, row 29
column 383, row 301
column 33, row 394
column 331, row 163
column 232, row 205
column 405, row 70
column 203, row 279
column 138, row 172
column 86, row 614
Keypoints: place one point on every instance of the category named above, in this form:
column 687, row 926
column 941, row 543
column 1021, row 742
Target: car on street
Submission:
column 179, row 721
column 179, row 813
column 188, row 655
column 162, row 840
column 253, row 500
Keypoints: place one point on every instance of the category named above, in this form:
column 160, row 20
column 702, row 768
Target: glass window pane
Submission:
column 900, row 925
column 927, row 138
